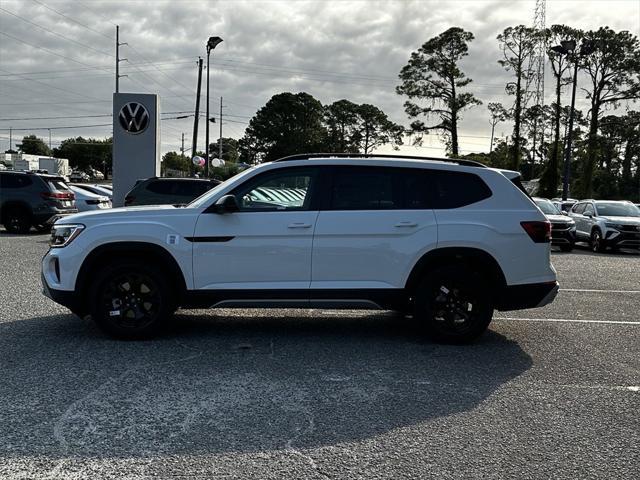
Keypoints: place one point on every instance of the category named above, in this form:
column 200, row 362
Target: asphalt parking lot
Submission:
column 548, row 393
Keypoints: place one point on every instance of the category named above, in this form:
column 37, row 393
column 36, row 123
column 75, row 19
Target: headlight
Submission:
column 63, row 235
column 617, row 226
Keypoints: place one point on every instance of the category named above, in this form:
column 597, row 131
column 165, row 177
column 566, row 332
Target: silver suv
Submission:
column 607, row 223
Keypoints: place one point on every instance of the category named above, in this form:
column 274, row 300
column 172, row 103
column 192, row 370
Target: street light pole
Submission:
column 211, row 44
column 567, row 156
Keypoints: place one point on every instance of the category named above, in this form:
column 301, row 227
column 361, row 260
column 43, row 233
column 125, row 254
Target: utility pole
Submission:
column 10, row 138
column 182, row 146
column 194, row 144
column 220, row 141
column 118, row 59
column 49, row 138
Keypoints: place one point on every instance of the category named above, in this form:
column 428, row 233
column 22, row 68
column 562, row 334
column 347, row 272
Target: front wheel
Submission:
column 453, row 304
column 17, row 221
column 131, row 300
column 597, row 244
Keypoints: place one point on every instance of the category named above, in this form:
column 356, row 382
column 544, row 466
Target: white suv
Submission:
column 447, row 241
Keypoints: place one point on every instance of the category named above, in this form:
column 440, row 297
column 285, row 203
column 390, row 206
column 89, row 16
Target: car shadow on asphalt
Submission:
column 230, row 382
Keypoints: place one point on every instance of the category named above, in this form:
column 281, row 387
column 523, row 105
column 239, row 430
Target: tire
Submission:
column 566, row 248
column 131, row 300
column 596, row 242
column 17, row 220
column 41, row 228
column 453, row 305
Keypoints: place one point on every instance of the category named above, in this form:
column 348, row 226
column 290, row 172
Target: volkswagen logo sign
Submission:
column 134, row 118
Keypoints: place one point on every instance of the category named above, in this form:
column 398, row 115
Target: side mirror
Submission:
column 226, row 204
column 566, row 214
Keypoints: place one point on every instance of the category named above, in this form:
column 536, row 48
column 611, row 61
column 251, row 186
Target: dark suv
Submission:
column 167, row 191
column 33, row 200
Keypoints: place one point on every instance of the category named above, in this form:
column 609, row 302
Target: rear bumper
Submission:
column 532, row 295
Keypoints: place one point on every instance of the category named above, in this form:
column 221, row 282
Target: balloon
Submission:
column 198, row 161
column 216, row 162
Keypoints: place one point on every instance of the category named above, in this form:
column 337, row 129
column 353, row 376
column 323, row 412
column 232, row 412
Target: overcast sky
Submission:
column 57, row 57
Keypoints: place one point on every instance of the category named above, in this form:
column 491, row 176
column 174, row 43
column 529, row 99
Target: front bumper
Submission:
column 622, row 238
column 532, row 295
column 63, row 297
column 561, row 235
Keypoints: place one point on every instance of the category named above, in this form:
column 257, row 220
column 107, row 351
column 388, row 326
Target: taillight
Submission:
column 58, row 195
column 128, row 199
column 540, row 232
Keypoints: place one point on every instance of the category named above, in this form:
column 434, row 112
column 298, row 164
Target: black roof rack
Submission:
column 307, row 156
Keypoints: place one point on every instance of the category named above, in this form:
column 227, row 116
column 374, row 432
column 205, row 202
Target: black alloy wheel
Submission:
column 17, row 221
column 131, row 300
column 454, row 304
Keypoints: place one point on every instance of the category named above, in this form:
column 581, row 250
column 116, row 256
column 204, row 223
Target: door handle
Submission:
column 406, row 224
column 299, row 225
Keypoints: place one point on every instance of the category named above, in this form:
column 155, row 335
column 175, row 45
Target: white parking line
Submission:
column 568, row 320
column 587, row 290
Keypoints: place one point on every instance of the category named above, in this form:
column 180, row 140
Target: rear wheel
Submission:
column 453, row 304
column 17, row 220
column 597, row 244
column 131, row 300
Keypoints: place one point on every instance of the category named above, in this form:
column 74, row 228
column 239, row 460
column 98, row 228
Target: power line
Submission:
column 71, row 19
column 56, row 88
column 56, row 128
column 56, row 33
column 93, row 68
column 49, row 51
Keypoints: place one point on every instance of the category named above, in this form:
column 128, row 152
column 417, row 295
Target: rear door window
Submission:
column 458, row 189
column 161, row 187
column 578, row 208
column 365, row 188
column 57, row 184
column 15, row 181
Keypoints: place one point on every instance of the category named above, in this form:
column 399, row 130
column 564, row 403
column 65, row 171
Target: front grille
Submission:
column 560, row 226
column 630, row 228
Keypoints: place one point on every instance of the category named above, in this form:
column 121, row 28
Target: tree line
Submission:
column 605, row 151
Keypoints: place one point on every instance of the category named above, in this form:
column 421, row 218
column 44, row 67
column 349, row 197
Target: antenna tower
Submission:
column 536, row 66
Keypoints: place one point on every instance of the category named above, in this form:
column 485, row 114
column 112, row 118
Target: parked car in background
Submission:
column 564, row 205
column 167, row 191
column 607, row 223
column 563, row 227
column 96, row 174
column 78, row 176
column 86, row 201
column 97, row 189
column 33, row 200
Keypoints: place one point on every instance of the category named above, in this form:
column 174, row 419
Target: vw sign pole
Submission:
column 136, row 141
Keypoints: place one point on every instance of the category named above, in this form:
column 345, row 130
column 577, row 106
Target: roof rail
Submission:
column 308, row 156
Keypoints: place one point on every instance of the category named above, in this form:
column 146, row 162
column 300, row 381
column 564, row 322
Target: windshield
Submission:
column 617, row 209
column 203, row 199
column 547, row 207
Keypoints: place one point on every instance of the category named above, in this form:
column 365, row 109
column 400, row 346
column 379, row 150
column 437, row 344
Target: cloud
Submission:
column 330, row 49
